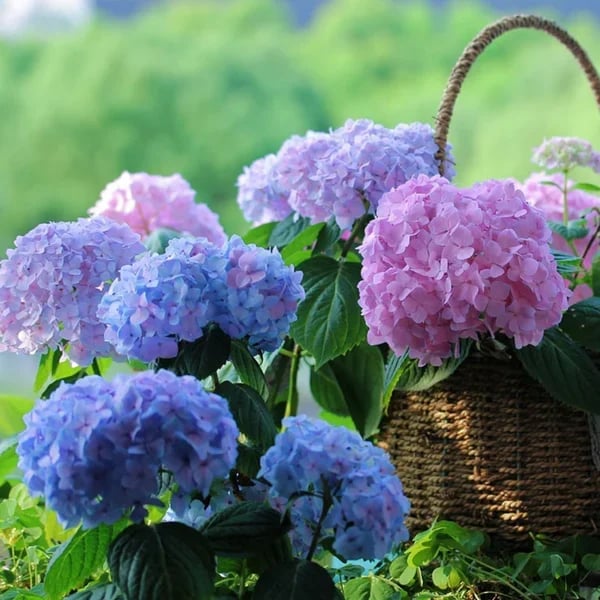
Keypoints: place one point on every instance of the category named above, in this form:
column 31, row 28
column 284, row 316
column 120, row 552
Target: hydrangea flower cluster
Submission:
column 149, row 202
column 443, row 264
column 160, row 300
column 51, row 284
column 342, row 173
column 94, row 449
column 369, row 506
column 549, row 199
column 565, row 153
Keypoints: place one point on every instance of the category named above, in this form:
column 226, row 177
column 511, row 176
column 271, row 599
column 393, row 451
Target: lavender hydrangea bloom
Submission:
column 51, row 284
column 163, row 298
column 262, row 295
column 565, row 153
column 369, row 507
column 149, row 202
column 342, row 173
column 94, row 448
column 259, row 196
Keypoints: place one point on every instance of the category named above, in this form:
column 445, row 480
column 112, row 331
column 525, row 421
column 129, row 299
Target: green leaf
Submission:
column 247, row 368
column 250, row 413
column 244, row 529
column 297, row 580
column 586, row 187
column 573, row 230
column 439, row 576
column 328, row 236
column 206, row 355
column 302, row 241
column 8, row 459
column 416, row 379
column 285, row 231
column 566, row 264
column 259, row 235
column 276, row 553
column 591, row 562
column 394, row 367
column 44, row 370
column 353, row 385
column 248, row 460
column 158, row 240
column 581, row 322
column 76, row 560
column 329, row 318
column 595, row 272
column 12, row 409
column 369, row 588
column 564, row 369
column 108, row 591
column 167, row 561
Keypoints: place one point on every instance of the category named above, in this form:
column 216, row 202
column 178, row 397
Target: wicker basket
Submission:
column 488, row 447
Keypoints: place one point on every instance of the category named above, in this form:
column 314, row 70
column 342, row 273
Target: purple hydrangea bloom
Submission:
column 369, row 507
column 259, row 196
column 161, row 299
column 150, row 202
column 565, row 153
column 342, row 173
column 51, row 284
column 262, row 295
column 442, row 264
column 94, row 449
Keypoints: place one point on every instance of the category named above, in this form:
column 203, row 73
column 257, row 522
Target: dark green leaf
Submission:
column 247, row 368
column 582, row 322
column 298, row 580
column 394, row 367
column 167, row 561
column 595, row 271
column 276, row 553
column 250, row 413
column 416, row 379
column 329, row 318
column 353, row 385
column 259, row 235
column 586, row 187
column 573, row 230
column 206, row 355
column 303, row 241
column 369, row 588
column 108, row 591
column 159, row 239
column 248, row 460
column 564, row 369
column 76, row 560
column 328, row 236
column 244, row 529
column 591, row 562
column 285, row 231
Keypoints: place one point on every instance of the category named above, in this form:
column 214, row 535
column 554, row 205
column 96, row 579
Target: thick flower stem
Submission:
column 291, row 409
column 327, row 504
column 356, row 230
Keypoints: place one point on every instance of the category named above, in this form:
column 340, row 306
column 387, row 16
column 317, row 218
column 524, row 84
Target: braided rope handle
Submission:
column 485, row 37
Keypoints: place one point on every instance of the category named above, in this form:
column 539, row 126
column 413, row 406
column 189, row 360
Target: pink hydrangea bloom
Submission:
column 564, row 153
column 149, row 202
column 549, row 199
column 442, row 264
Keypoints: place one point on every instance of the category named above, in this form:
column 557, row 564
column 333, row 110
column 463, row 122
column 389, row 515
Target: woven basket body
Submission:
column 491, row 450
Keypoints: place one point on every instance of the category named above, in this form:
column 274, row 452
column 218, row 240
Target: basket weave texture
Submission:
column 490, row 449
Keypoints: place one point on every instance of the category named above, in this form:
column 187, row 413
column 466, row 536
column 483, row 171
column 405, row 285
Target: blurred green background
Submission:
column 203, row 88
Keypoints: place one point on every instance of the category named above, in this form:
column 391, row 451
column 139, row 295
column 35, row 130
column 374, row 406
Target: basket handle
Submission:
column 485, row 37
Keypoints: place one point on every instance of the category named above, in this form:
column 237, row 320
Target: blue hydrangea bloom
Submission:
column 367, row 517
column 161, row 299
column 95, row 448
column 262, row 295
column 343, row 173
column 51, row 284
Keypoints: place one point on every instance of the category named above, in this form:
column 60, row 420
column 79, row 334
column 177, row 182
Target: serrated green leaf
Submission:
column 564, row 369
column 329, row 318
column 250, row 413
column 369, row 588
column 573, row 230
column 581, row 322
column 244, row 529
column 158, row 240
column 416, row 379
column 259, row 235
column 247, row 368
column 285, row 231
column 297, row 580
column 108, row 591
column 167, row 561
column 353, row 385
column 76, row 560
column 206, row 355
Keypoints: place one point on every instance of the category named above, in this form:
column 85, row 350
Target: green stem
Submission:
column 291, row 409
column 242, row 585
column 327, row 504
column 215, row 380
column 565, row 193
column 358, row 227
